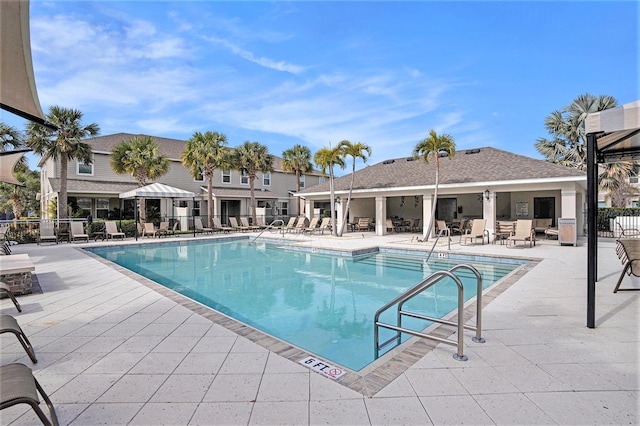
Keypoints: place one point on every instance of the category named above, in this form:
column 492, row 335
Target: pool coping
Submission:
column 372, row 378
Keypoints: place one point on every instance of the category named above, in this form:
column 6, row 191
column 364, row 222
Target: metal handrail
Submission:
column 419, row 288
column 442, row 231
column 269, row 226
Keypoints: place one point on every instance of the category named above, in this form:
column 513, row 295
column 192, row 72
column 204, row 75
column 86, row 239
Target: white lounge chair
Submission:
column 77, row 232
column 111, row 230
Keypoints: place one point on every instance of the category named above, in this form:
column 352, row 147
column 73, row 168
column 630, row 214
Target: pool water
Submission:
column 323, row 304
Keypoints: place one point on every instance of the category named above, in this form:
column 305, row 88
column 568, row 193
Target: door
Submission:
column 545, row 207
column 446, row 209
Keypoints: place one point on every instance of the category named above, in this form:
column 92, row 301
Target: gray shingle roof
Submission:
column 467, row 166
column 93, row 186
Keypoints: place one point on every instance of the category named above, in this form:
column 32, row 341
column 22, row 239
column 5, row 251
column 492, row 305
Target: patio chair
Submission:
column 234, row 224
column 523, row 232
column 244, row 221
column 19, row 386
column 626, row 232
column 504, row 229
column 478, row 230
column 324, row 225
column 217, row 225
column 77, row 232
column 441, row 227
column 459, row 227
column 390, row 226
column 149, row 229
column 415, row 225
column 8, row 324
column 4, row 288
column 312, row 226
column 197, row 223
column 628, row 251
column 165, row 230
column 291, row 224
column 47, row 233
column 363, row 224
column 111, row 230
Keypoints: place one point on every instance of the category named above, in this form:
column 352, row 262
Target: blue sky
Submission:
column 315, row 73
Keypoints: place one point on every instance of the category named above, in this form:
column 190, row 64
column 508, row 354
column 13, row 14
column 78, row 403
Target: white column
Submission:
column 489, row 212
column 308, row 208
column 339, row 210
column 568, row 204
column 381, row 215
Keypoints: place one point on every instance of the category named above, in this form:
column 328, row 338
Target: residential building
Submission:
column 476, row 183
column 94, row 188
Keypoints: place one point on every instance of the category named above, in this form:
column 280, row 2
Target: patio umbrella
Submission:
column 8, row 161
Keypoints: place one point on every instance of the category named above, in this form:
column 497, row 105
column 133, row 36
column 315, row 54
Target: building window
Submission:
column 84, row 206
column 266, row 179
column 102, row 208
column 302, row 180
column 196, row 208
column 284, row 208
column 602, row 204
column 84, row 169
column 226, row 176
column 321, row 180
column 244, row 177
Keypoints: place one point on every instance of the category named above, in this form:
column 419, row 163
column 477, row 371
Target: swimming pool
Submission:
column 324, row 304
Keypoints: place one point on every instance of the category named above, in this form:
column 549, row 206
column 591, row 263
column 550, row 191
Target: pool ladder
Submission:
column 277, row 222
column 416, row 290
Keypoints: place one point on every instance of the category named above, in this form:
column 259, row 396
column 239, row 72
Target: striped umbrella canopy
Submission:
column 157, row 190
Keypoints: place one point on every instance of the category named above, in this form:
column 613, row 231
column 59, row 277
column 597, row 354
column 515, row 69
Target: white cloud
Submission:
column 262, row 61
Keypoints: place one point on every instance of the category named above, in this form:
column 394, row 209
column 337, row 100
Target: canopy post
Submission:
column 592, row 233
column 135, row 217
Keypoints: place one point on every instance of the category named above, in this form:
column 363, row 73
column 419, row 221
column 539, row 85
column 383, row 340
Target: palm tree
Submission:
column 568, row 145
column 432, row 146
column 10, row 137
column 203, row 154
column 21, row 198
column 613, row 180
column 326, row 159
column 63, row 144
column 140, row 158
column 355, row 151
column 253, row 157
column 297, row 160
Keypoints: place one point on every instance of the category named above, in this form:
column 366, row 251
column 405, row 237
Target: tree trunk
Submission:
column 299, row 202
column 334, row 225
column 429, row 228
column 346, row 210
column 253, row 198
column 62, row 198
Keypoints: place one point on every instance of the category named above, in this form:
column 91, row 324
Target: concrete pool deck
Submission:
column 112, row 350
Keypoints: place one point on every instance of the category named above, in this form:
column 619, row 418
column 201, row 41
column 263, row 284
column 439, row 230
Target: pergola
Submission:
column 612, row 135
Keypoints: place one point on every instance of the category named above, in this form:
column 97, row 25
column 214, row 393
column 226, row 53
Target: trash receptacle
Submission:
column 567, row 231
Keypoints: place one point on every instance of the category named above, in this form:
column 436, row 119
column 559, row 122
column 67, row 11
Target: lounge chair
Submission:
column 291, row 224
column 47, row 233
column 245, row 224
column 459, row 227
column 234, row 224
column 77, row 232
column 301, row 224
column 19, row 386
column 478, row 230
column 217, row 225
column 540, row 225
column 523, row 232
column 197, row 222
column 628, row 251
column 149, row 229
column 8, row 324
column 313, row 225
column 324, row 225
column 111, row 230
column 442, row 228
column 4, row 288
column 165, row 230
